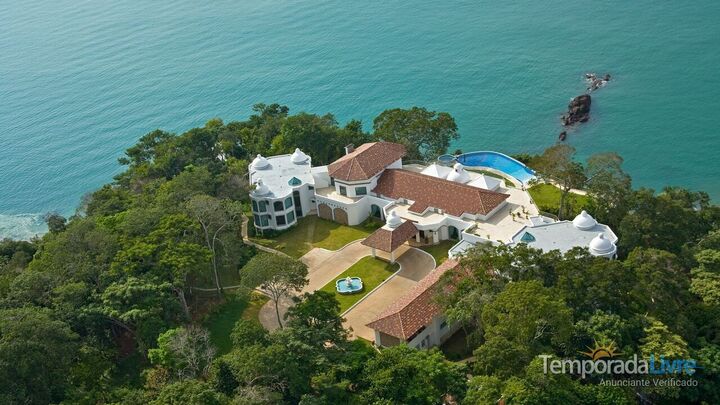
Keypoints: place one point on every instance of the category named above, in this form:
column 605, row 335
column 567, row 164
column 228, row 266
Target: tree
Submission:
column 706, row 277
column 36, row 353
column 186, row 351
column 609, row 187
column 425, row 134
column 56, row 223
column 278, row 275
column 668, row 221
column 317, row 316
column 556, row 164
column 189, row 392
column 402, row 375
column 139, row 307
column 247, row 333
column 523, row 321
column 215, row 217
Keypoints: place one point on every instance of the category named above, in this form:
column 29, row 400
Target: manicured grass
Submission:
column 440, row 251
column 313, row 231
column 237, row 306
column 547, row 198
column 372, row 271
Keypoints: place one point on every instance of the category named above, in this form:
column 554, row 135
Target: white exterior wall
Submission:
column 433, row 335
column 357, row 211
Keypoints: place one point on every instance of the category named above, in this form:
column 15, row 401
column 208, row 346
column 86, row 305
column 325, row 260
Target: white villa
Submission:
column 420, row 205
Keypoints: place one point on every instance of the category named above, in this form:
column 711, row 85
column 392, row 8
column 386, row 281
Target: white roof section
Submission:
column 584, row 221
column 277, row 173
column 259, row 163
column 564, row 235
column 486, row 182
column 458, row 174
column 299, row 157
column 600, row 245
column 436, row 170
column 393, row 220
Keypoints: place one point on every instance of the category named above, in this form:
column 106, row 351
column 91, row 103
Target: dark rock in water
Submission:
column 578, row 110
column 562, row 136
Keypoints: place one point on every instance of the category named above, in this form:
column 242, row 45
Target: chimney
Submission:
column 349, row 149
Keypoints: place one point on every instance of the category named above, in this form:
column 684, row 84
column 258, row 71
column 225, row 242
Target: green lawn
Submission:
column 440, row 251
column 547, row 198
column 221, row 321
column 313, row 231
column 372, row 271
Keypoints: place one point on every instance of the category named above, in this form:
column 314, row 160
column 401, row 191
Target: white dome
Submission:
column 393, row 220
column 458, row 174
column 259, row 162
column 600, row 245
column 298, row 157
column 584, row 221
column 261, row 188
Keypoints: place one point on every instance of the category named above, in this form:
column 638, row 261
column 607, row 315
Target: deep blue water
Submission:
column 81, row 80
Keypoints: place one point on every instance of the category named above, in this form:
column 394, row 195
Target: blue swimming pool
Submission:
column 497, row 161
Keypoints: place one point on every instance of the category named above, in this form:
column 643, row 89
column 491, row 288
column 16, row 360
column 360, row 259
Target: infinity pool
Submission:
column 498, row 161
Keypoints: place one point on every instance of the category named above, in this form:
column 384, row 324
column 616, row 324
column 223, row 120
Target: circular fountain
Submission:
column 349, row 285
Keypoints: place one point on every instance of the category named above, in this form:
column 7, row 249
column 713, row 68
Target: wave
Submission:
column 22, row 226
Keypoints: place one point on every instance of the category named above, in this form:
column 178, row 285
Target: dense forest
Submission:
column 109, row 306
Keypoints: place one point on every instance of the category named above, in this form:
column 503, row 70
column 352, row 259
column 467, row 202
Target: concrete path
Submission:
column 415, row 265
column 323, row 266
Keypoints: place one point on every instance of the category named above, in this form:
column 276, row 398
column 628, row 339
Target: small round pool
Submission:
column 498, row 161
column 349, row 285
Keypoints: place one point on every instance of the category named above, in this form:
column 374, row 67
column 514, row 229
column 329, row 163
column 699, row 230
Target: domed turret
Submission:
column 601, row 246
column 261, row 188
column 259, row 162
column 298, row 157
column 584, row 221
column 458, row 174
column 393, row 220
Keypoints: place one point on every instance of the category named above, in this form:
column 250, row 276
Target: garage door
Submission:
column 341, row 216
column 324, row 211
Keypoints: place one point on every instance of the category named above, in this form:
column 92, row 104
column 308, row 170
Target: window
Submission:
column 280, row 220
column 343, row 190
column 255, row 206
column 360, row 190
column 290, row 217
column 332, row 181
column 288, row 202
column 311, row 188
column 278, row 206
column 262, row 205
column 443, row 325
column 261, row 220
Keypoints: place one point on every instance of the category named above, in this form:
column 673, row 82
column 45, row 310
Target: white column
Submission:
column 436, row 237
column 417, row 237
column 373, row 253
column 392, row 257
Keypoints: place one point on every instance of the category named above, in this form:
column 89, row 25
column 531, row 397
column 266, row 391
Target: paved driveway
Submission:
column 325, row 265
column 416, row 264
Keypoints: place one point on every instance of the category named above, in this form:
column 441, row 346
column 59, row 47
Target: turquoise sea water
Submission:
column 81, row 80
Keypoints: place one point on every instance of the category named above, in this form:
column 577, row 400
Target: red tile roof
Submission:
column 366, row 161
column 388, row 240
column 413, row 310
column 428, row 191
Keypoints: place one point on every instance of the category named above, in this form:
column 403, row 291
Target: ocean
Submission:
column 81, row 80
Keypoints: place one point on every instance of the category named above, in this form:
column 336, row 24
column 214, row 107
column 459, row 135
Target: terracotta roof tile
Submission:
column 366, row 161
column 388, row 240
column 413, row 310
column 428, row 191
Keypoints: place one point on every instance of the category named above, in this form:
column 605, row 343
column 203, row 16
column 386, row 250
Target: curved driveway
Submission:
column 325, row 265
